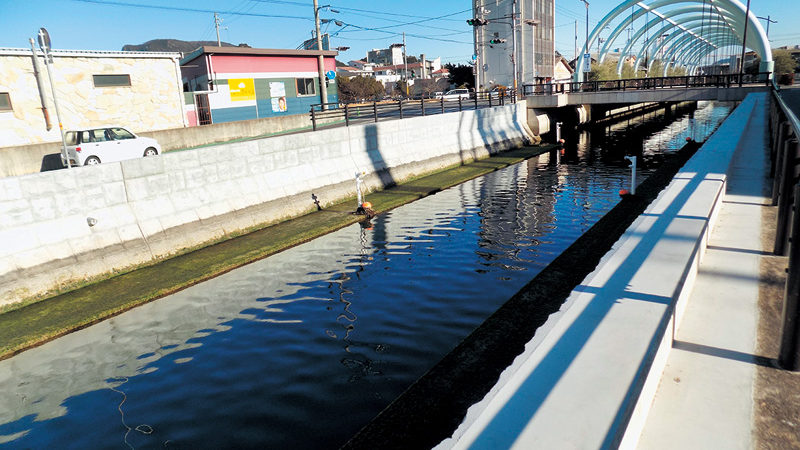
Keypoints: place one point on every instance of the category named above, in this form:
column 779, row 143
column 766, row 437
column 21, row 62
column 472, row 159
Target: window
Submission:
column 118, row 134
column 111, row 80
column 306, row 86
column 5, row 101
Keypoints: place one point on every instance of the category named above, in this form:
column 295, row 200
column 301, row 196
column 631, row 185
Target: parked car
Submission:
column 438, row 94
column 455, row 94
column 106, row 144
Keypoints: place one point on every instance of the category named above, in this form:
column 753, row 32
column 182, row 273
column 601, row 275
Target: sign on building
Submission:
column 242, row 89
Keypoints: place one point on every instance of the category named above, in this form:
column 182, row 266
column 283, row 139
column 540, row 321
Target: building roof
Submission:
column 90, row 53
column 246, row 51
column 442, row 70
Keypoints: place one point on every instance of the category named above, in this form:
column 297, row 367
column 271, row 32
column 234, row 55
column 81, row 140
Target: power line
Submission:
column 194, row 10
column 343, row 8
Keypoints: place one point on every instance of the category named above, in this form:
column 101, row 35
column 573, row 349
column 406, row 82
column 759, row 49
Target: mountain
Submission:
column 172, row 45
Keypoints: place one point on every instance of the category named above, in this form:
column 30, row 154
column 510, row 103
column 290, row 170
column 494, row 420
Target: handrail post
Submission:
column 375, row 109
column 313, row 119
column 777, row 154
column 459, row 103
column 789, row 354
column 490, row 99
column 791, row 147
column 422, row 104
column 476, row 100
column 400, row 106
column 441, row 101
column 780, row 153
column 346, row 116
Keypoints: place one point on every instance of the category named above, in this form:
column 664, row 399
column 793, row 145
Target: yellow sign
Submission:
column 242, row 89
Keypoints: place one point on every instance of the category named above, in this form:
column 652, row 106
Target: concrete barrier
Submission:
column 588, row 377
column 61, row 228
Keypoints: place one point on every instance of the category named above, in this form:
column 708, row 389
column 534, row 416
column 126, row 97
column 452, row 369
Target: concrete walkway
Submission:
column 705, row 396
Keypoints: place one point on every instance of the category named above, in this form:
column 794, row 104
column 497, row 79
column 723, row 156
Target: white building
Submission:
column 494, row 42
column 386, row 56
column 138, row 90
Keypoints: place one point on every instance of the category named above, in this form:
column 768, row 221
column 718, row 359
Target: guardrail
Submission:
column 722, row 80
column 331, row 114
column 784, row 157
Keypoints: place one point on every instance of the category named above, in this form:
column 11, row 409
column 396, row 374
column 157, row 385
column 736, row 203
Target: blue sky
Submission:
column 440, row 28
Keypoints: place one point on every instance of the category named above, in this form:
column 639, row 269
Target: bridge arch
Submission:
column 701, row 27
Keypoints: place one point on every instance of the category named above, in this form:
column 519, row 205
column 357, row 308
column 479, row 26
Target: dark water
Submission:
column 302, row 349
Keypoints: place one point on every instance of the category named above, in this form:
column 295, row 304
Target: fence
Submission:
column 785, row 155
column 331, row 114
column 722, row 80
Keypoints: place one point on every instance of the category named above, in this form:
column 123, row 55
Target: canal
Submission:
column 302, row 349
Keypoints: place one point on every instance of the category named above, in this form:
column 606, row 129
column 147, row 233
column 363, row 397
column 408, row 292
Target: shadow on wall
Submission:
column 379, row 165
column 51, row 162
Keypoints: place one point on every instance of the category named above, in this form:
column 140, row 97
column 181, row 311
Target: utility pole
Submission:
column 769, row 21
column 478, row 40
column 575, row 53
column 217, row 21
column 514, row 42
column 405, row 62
column 323, row 94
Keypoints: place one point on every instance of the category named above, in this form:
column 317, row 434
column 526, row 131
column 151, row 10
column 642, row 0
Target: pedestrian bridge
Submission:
column 645, row 90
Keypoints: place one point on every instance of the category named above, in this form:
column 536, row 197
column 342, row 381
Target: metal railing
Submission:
column 332, row 114
column 722, row 80
column 784, row 158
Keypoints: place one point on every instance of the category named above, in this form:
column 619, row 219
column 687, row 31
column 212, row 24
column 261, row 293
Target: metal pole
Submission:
column 744, row 41
column 323, row 94
column 789, row 355
column 47, row 64
column 514, row 42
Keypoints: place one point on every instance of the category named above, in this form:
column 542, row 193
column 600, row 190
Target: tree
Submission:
column 460, row 75
column 426, row 87
column 784, row 63
column 602, row 72
column 411, row 59
column 359, row 89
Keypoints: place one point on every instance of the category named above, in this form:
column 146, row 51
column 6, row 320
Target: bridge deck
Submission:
column 641, row 96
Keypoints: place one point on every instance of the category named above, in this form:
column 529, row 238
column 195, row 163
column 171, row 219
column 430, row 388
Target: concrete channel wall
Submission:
column 588, row 377
column 62, row 227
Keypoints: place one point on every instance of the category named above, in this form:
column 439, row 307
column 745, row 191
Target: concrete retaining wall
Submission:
column 26, row 159
column 150, row 208
column 588, row 377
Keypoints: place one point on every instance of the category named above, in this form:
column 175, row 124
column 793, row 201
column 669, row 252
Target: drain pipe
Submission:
column 632, row 160
column 36, row 74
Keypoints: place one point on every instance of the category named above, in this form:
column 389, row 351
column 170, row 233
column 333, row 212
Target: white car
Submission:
column 106, row 144
column 455, row 94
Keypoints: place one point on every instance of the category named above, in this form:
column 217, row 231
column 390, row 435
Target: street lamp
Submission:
column 323, row 92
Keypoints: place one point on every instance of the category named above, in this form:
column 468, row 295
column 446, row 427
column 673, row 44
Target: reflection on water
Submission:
column 303, row 348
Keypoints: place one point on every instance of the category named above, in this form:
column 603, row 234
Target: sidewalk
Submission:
column 705, row 398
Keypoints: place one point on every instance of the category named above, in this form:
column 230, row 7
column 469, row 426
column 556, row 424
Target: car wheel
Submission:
column 92, row 160
column 150, row 152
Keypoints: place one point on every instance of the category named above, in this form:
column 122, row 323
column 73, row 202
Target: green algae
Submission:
column 35, row 323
